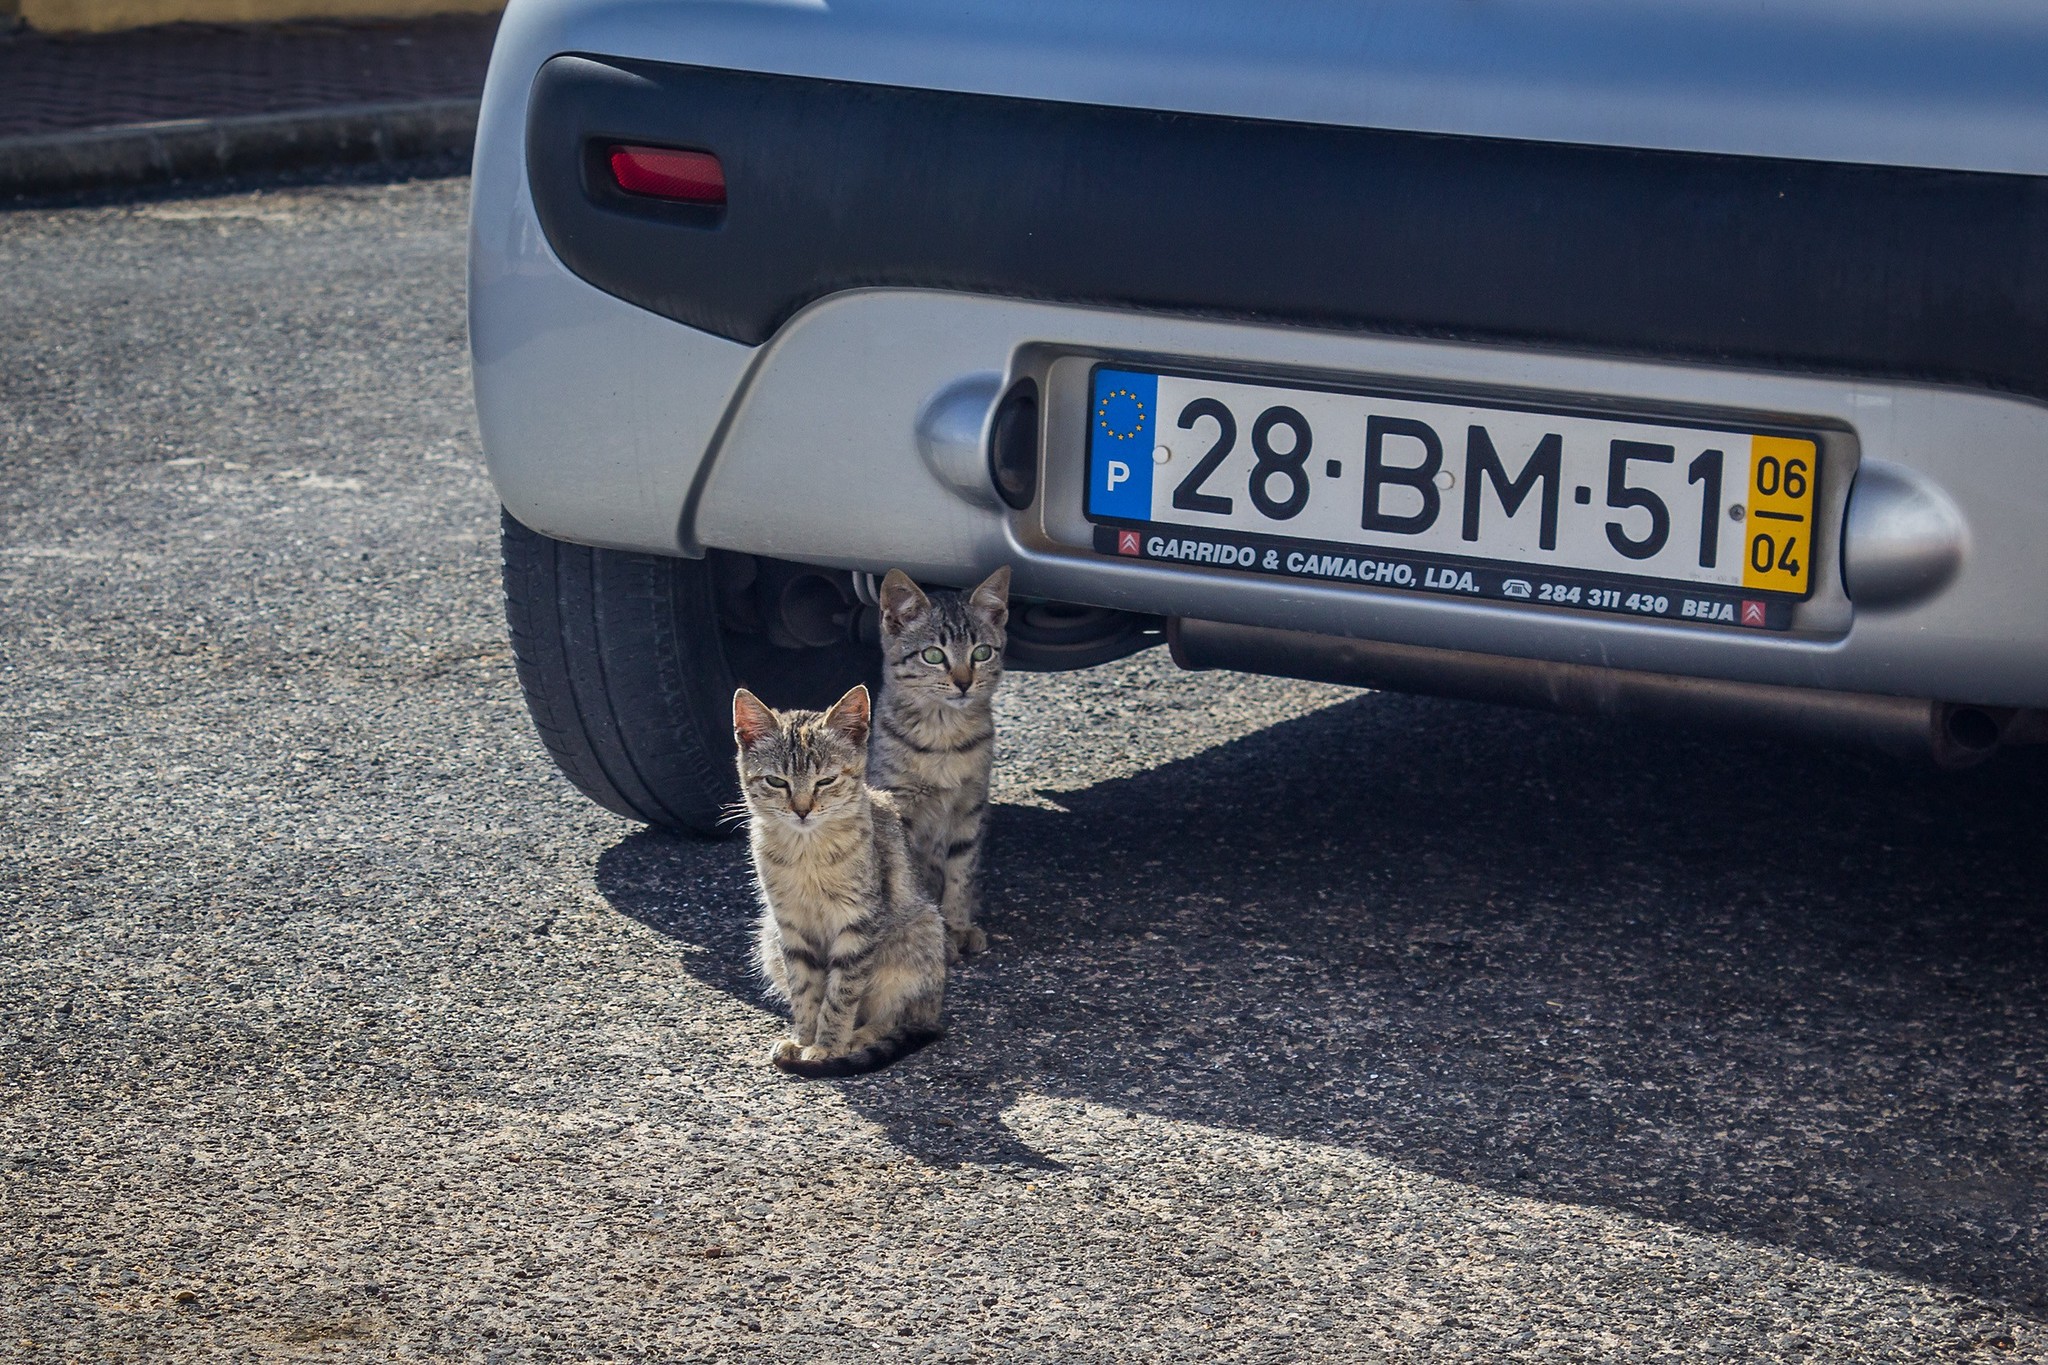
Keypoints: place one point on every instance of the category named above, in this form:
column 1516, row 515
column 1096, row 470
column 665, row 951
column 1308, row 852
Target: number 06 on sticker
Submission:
column 1693, row 523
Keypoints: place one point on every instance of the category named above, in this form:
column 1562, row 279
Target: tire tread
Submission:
column 620, row 659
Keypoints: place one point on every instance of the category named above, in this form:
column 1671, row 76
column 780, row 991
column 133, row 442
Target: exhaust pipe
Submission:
column 1949, row 735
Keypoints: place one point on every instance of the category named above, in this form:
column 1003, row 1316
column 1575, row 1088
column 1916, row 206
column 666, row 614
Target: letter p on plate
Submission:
column 1118, row 472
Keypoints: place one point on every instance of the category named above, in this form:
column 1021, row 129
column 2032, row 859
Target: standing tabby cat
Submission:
column 942, row 656
column 846, row 935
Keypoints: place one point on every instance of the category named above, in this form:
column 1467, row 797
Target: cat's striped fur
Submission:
column 847, row 935
column 934, row 743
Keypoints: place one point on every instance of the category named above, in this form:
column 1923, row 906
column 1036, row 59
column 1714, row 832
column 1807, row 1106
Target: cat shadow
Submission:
column 1783, row 994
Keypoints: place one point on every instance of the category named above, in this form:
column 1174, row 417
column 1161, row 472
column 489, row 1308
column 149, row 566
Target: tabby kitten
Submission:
column 942, row 656
column 846, row 935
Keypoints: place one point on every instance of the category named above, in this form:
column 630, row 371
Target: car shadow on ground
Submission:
column 1760, row 990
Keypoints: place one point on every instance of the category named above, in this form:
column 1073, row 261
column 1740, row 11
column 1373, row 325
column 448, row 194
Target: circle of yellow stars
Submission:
column 1102, row 418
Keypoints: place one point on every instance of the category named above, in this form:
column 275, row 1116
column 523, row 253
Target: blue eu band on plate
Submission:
column 1120, row 444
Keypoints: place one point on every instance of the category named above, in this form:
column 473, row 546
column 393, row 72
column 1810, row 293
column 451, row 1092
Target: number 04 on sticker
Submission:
column 1693, row 523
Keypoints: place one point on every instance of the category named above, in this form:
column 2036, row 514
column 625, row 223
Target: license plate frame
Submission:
column 1376, row 558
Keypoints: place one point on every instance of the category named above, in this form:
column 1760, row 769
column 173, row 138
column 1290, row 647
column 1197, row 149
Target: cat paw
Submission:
column 786, row 1051
column 966, row 943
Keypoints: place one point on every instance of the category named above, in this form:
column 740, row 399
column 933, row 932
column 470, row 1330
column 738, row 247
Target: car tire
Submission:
column 625, row 675
column 629, row 661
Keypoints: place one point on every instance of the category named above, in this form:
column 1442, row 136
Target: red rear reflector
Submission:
column 664, row 173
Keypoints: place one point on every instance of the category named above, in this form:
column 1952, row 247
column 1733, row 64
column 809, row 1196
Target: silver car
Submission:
column 1680, row 358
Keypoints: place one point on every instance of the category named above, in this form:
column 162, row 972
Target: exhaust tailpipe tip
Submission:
column 1967, row 735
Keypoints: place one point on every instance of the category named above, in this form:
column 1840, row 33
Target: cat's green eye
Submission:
column 935, row 656
column 777, row 782
column 824, row 782
column 982, row 654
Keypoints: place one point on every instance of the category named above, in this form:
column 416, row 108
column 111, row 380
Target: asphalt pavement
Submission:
column 1318, row 1025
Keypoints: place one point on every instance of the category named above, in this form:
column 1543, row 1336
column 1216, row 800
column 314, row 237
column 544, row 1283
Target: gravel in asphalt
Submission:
column 1318, row 1025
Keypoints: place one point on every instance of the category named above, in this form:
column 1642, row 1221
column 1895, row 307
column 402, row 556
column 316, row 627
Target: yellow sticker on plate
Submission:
column 1779, row 546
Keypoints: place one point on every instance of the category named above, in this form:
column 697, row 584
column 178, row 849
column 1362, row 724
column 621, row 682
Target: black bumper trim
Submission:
column 1876, row 271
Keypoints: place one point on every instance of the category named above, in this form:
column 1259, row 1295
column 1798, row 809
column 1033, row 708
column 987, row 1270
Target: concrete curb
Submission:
column 200, row 149
column 106, row 16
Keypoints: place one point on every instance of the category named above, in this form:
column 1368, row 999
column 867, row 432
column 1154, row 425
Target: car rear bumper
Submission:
column 853, row 439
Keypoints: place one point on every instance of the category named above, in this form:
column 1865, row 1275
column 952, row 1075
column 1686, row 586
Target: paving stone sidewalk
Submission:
column 54, row 84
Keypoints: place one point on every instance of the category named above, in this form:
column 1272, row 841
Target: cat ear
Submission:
column 849, row 715
column 903, row 602
column 992, row 598
column 751, row 721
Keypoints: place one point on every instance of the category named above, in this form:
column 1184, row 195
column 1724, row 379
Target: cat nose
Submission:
column 963, row 678
column 802, row 810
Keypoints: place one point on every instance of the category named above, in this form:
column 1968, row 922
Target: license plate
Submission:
column 1695, row 523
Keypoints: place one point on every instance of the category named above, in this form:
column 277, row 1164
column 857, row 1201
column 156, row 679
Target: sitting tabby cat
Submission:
column 942, row 656
column 846, row 936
